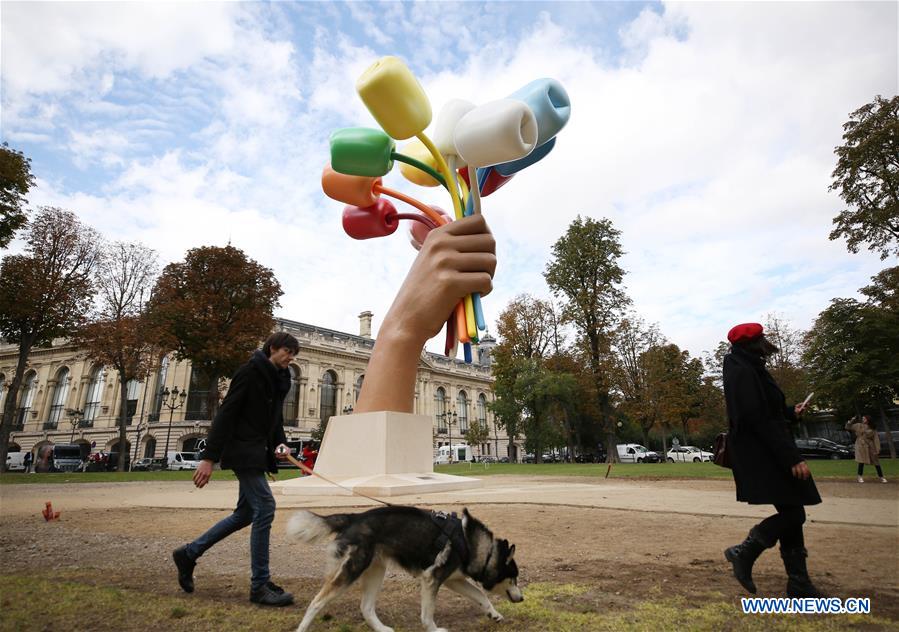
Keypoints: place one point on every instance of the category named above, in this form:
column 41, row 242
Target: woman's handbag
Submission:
column 721, row 457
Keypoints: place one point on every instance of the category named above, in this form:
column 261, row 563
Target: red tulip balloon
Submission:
column 378, row 220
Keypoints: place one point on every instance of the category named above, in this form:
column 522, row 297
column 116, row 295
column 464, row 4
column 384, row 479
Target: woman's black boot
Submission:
column 798, row 582
column 744, row 555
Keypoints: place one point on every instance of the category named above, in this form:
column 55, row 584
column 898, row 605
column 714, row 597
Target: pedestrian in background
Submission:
column 767, row 466
column 29, row 457
column 867, row 446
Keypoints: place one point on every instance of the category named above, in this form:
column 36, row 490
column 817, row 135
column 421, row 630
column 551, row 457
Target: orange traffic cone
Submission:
column 48, row 512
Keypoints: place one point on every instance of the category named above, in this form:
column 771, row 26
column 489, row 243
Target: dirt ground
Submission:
column 623, row 557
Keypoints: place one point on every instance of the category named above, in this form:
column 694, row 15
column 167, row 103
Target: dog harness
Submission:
column 450, row 531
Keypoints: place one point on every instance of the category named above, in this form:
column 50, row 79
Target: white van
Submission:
column 636, row 453
column 182, row 460
column 461, row 453
column 15, row 461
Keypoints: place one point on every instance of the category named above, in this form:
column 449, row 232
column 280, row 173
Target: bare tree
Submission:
column 115, row 336
column 44, row 293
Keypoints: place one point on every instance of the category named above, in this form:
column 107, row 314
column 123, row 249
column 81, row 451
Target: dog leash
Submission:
column 312, row 472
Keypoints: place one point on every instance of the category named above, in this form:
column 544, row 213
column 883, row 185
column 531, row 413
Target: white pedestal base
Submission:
column 377, row 454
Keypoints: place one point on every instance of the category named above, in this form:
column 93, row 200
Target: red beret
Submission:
column 746, row 331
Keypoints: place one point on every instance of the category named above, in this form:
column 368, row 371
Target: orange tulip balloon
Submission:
column 353, row 190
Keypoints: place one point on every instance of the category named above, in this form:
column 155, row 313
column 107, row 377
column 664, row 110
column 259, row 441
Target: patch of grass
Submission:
column 32, row 603
column 821, row 469
column 548, row 607
column 16, row 478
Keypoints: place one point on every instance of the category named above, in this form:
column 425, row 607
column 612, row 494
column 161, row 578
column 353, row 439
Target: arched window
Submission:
column 58, row 403
column 292, row 399
column 440, row 405
column 94, row 395
column 132, row 392
column 2, row 389
column 328, row 396
column 197, row 397
column 27, row 400
column 150, row 448
column 482, row 410
column 158, row 388
column 358, row 387
column 462, row 406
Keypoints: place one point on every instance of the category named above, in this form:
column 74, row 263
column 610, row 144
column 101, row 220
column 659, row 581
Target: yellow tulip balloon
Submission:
column 416, row 149
column 395, row 98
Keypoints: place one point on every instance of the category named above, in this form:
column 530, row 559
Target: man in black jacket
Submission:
column 247, row 435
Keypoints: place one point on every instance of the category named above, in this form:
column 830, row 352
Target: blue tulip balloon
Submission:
column 549, row 101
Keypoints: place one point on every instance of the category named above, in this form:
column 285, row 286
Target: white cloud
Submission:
column 708, row 143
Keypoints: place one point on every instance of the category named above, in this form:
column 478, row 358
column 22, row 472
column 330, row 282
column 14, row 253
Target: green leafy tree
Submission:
column 584, row 273
column 477, row 434
column 214, row 308
column 867, row 178
column 851, row 352
column 884, row 290
column 44, row 293
column 116, row 334
column 15, row 182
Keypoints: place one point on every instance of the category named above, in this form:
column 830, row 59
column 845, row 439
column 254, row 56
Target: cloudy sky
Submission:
column 704, row 131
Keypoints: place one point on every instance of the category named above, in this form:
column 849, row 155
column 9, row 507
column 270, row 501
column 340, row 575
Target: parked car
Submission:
column 815, row 448
column 112, row 461
column 148, row 465
column 588, row 457
column 528, row 458
column 487, row 458
column 688, row 454
column 636, row 453
column 505, row 459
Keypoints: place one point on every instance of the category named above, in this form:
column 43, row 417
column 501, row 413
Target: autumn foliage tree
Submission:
column 214, row 308
column 45, row 292
column 116, row 335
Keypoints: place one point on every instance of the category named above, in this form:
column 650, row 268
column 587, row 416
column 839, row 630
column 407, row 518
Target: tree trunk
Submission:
column 611, row 447
column 664, row 445
column 889, row 433
column 212, row 398
column 123, row 416
column 9, row 407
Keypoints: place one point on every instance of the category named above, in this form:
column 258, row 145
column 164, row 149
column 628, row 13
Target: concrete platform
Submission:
column 376, row 454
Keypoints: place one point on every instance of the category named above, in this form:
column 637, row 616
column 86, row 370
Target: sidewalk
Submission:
column 604, row 494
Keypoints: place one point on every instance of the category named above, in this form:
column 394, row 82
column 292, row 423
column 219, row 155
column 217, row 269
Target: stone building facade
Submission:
column 327, row 376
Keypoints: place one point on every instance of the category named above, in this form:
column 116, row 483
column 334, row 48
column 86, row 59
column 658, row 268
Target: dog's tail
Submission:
column 306, row 526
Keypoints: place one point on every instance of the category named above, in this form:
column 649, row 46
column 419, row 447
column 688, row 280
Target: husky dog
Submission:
column 441, row 549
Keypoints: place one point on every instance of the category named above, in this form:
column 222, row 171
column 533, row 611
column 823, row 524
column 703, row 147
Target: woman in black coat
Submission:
column 767, row 467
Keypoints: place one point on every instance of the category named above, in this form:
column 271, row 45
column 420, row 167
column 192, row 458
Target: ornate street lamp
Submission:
column 75, row 416
column 173, row 400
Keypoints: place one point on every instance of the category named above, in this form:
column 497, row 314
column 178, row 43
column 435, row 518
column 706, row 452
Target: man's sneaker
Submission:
column 883, row 480
column 861, row 480
column 271, row 595
column 185, row 569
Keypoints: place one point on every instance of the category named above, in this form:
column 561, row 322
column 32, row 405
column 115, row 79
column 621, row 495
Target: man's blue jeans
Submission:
column 256, row 506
